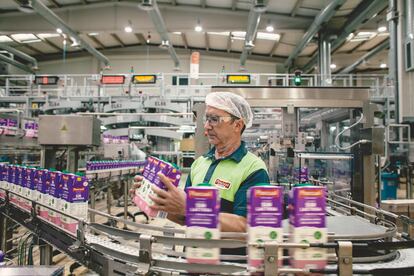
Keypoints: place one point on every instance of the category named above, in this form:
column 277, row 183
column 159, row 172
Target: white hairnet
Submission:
column 231, row 103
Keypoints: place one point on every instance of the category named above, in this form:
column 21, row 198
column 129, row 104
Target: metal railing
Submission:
column 175, row 85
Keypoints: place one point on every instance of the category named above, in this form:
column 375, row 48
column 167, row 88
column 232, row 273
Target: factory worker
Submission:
column 227, row 166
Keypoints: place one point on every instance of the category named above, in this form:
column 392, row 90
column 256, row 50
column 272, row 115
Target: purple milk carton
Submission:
column 264, row 217
column 152, row 167
column 29, row 188
column 147, row 166
column 55, row 191
column 152, row 174
column 3, row 170
column 20, row 179
column 66, row 182
column 12, row 184
column 5, row 182
column 75, row 196
column 301, row 174
column 202, row 221
column 3, row 122
column 10, row 127
column 43, row 186
column 29, row 129
column 173, row 174
column 307, row 219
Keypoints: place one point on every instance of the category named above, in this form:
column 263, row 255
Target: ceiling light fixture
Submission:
column 350, row 36
column 383, row 65
column 75, row 43
column 333, row 66
column 269, row 27
column 165, row 44
column 149, row 37
column 128, row 28
column 198, row 27
column 249, row 45
column 59, row 30
column 382, row 29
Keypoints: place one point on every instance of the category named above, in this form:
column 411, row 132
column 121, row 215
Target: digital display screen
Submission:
column 144, row 79
column 238, row 79
column 113, row 79
column 46, row 80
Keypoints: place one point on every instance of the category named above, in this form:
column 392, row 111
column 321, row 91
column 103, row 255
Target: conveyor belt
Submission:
column 403, row 264
column 351, row 228
column 104, row 255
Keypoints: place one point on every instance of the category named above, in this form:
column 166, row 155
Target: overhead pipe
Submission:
column 154, row 13
column 370, row 54
column 409, row 22
column 256, row 10
column 392, row 18
column 56, row 21
column 366, row 10
column 16, row 63
column 324, row 60
column 20, row 54
column 323, row 16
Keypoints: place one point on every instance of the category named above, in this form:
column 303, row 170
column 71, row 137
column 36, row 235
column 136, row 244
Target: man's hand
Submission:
column 137, row 183
column 172, row 201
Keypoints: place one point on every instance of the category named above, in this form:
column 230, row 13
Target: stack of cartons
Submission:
column 402, row 188
column 401, row 207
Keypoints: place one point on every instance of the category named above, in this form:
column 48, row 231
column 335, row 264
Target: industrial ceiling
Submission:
column 228, row 26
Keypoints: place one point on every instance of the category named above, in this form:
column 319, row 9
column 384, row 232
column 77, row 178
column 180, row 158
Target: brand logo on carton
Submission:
column 305, row 193
column 264, row 192
column 222, row 184
column 204, row 194
column 78, row 189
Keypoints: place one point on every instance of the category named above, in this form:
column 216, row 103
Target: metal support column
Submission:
column 324, row 55
column 201, row 145
column 72, row 159
column 4, row 234
column 109, row 198
column 323, row 127
column 92, row 191
column 363, row 184
column 46, row 253
column 392, row 18
column 271, row 259
column 345, row 258
column 47, row 158
column 126, row 196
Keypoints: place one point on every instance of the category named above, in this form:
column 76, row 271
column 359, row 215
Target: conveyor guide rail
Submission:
column 104, row 256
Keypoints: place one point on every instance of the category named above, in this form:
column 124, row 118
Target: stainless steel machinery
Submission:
column 291, row 99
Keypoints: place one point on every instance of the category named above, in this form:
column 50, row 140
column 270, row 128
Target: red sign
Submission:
column 113, row 79
column 46, row 80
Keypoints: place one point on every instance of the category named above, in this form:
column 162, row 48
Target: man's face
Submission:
column 220, row 126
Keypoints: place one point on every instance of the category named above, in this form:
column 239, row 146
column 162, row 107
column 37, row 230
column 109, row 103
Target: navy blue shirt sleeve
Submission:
column 240, row 198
